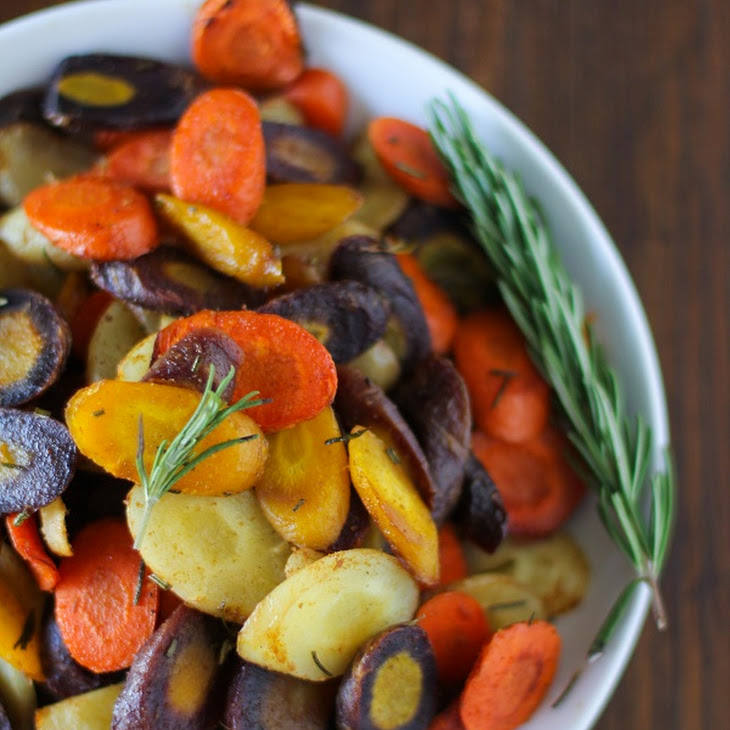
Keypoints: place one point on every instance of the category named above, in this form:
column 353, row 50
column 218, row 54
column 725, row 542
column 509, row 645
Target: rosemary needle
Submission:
column 547, row 306
column 176, row 458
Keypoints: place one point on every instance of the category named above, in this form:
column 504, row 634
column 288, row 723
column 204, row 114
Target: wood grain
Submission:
column 634, row 99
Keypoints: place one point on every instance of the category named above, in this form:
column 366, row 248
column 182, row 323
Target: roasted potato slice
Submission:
column 18, row 698
column 52, row 518
column 31, row 155
column 172, row 680
column 36, row 343
column 343, row 600
column 363, row 259
column 391, row 683
column 379, row 364
column 504, row 600
column 135, row 364
column 265, row 700
column 435, row 402
column 171, row 281
column 108, row 91
column 345, row 316
column 554, row 567
column 37, row 460
column 87, row 711
column 302, row 154
column 219, row 554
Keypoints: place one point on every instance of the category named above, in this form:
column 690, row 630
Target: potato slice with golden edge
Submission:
column 53, row 528
column 219, row 554
column 17, row 693
column 555, row 567
column 222, row 243
column 504, row 600
column 305, row 488
column 300, row 558
column 392, row 683
column 88, row 711
column 104, row 420
column 293, row 212
column 133, row 366
column 379, row 364
column 312, row 624
column 395, row 505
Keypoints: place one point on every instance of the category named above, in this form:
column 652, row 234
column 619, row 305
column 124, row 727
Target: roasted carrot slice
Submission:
column 457, row 629
column 94, row 217
column 143, row 161
column 441, row 316
column 322, row 98
column 27, row 541
column 451, row 556
column 510, row 399
column 537, row 484
column 511, row 676
column 102, row 619
column 255, row 44
column 409, row 157
column 281, row 360
column 217, row 156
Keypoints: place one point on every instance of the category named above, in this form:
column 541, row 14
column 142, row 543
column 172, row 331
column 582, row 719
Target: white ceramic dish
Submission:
column 388, row 76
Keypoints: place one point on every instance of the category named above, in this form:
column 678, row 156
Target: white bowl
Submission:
column 389, row 76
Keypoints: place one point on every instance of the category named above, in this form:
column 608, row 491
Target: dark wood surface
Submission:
column 634, row 99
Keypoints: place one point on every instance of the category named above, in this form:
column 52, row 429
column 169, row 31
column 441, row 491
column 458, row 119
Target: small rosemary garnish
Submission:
column 320, row 665
column 159, row 582
column 409, row 170
column 140, row 581
column 11, row 465
column 393, row 455
column 300, row 503
column 506, row 376
column 174, row 459
column 345, row 438
column 98, row 413
column 548, row 308
column 171, row 649
column 21, row 517
column 507, row 605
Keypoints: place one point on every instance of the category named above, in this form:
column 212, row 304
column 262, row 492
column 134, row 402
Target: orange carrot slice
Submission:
column 537, row 484
column 409, row 157
column 510, row 399
column 217, row 156
column 451, row 556
column 143, row 161
column 94, row 217
column 510, row 677
column 457, row 629
column 440, row 313
column 281, row 360
column 27, row 541
column 255, row 44
column 102, row 613
column 322, row 98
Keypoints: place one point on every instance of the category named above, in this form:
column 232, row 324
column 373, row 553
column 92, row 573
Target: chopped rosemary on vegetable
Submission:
column 175, row 459
column 548, row 307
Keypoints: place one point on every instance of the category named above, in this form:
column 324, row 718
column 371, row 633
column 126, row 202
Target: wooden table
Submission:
column 634, row 100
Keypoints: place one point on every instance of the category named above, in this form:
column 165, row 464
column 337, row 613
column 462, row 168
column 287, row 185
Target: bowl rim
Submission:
column 616, row 660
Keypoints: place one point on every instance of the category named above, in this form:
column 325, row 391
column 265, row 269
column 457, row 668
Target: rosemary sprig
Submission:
column 175, row 459
column 548, row 308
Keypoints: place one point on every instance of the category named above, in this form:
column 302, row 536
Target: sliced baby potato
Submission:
column 36, row 343
column 345, row 316
column 88, row 711
column 265, row 700
column 554, row 567
column 391, row 683
column 172, row 681
column 29, row 245
column 133, row 366
column 31, row 155
column 311, row 625
column 222, row 243
column 218, row 554
column 435, row 402
column 53, row 527
column 305, row 489
column 384, row 200
column 480, row 515
column 104, row 420
column 293, row 212
column 37, row 460
column 367, row 261
column 280, row 109
column 391, row 498
column 504, row 600
column 379, row 364
column 108, row 91
column 17, row 696
column 189, row 361
column 299, row 558
column 171, row 281
column 301, row 154
column 117, row 330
